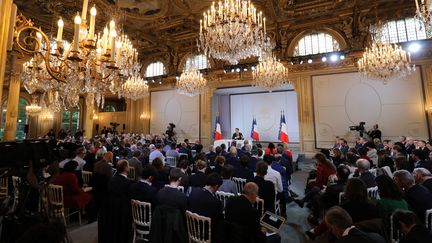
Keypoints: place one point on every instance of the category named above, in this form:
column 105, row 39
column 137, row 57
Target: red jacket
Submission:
column 323, row 173
column 73, row 195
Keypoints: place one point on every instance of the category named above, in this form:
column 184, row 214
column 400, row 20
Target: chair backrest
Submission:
column 224, row 196
column 180, row 188
column 373, row 171
column 373, row 192
column 395, row 233
column 4, row 187
column 132, row 173
column 183, row 154
column 341, row 195
column 387, row 171
column 193, row 153
column 259, row 205
column 55, row 195
column 199, row 228
column 428, row 221
column 86, row 175
column 171, row 161
column 141, row 212
column 240, row 183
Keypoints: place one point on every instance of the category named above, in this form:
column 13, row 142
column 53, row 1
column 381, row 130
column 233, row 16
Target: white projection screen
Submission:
column 343, row 100
column 267, row 108
column 169, row 106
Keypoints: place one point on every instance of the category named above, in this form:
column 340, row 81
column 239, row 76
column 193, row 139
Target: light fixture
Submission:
column 384, row 61
column 191, row 81
column 238, row 69
column 333, row 58
column 301, row 62
column 134, row 88
column 342, row 57
column 424, row 14
column 324, row 59
column 232, row 30
column 414, row 47
column 34, row 108
column 310, row 60
column 270, row 73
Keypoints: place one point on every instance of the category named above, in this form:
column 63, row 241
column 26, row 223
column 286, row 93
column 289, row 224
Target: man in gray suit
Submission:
column 136, row 163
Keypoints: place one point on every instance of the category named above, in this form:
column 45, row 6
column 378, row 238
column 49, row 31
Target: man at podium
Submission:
column 237, row 135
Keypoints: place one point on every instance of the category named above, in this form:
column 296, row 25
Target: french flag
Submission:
column 254, row 132
column 218, row 131
column 283, row 130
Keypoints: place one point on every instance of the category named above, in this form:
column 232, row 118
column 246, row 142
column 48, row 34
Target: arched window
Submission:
column 316, row 43
column 109, row 108
column 155, row 69
column 71, row 120
column 403, row 30
column 199, row 61
column 21, row 119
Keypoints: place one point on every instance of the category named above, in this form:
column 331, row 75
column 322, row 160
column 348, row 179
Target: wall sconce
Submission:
column 47, row 115
column 144, row 116
column 95, row 116
column 429, row 109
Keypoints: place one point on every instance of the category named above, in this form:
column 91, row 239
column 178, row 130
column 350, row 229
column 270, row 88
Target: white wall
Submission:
column 266, row 107
column 343, row 100
column 169, row 106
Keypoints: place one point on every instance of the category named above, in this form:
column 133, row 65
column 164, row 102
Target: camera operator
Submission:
column 374, row 133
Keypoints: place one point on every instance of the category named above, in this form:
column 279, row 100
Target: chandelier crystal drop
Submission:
column 135, row 88
column 270, row 73
column 34, row 108
column 191, row 82
column 232, row 30
column 424, row 14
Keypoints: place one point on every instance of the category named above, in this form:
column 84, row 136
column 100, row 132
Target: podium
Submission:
column 228, row 142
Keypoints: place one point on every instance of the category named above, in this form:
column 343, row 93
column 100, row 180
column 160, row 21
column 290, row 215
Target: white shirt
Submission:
column 63, row 162
column 81, row 162
column 275, row 177
column 346, row 232
column 156, row 154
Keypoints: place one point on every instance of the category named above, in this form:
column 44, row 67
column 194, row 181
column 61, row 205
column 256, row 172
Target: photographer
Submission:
column 374, row 132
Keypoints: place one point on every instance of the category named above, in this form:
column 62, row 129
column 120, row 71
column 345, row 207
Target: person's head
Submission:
column 401, row 163
column 418, row 154
column 123, row 166
column 247, row 147
column 403, row 179
column 363, row 165
column 244, row 160
column 342, row 173
column 406, row 220
column 183, row 164
column 387, row 188
column 237, row 130
column 402, row 139
column 220, row 160
column 421, row 174
column 173, row 146
column 343, row 142
column 233, row 151
column 214, row 181
column 362, row 151
column 81, row 152
column 250, row 191
column 159, row 146
column 227, row 171
column 271, row 146
column 421, row 143
column 375, row 127
column 351, row 158
column 321, row 158
column 136, row 154
column 108, row 156
column 157, row 163
column 218, row 150
column 223, row 147
column 175, row 176
column 268, row 158
column 337, row 220
column 337, row 153
column 355, row 190
column 370, row 145
column 149, row 172
column 201, row 165
column 261, row 168
column 70, row 166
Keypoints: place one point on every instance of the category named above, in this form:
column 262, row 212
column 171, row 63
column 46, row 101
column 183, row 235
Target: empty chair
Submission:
column 373, row 192
column 240, row 183
column 223, row 197
column 132, row 174
column 141, row 213
column 199, row 228
column 428, row 221
column 171, row 161
column 259, row 205
column 56, row 205
column 86, row 175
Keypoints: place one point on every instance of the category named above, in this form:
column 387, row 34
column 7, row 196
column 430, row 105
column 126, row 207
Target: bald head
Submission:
column 421, row 174
column 250, row 191
column 363, row 165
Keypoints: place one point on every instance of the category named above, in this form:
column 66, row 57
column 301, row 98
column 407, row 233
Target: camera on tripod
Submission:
column 359, row 128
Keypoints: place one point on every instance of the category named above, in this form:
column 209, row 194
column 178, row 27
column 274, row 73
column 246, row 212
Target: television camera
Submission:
column 359, row 128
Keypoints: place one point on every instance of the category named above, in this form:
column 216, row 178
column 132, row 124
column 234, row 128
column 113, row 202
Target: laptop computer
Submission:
column 272, row 221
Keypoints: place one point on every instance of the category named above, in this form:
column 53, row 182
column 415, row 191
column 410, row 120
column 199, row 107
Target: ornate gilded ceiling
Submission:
column 167, row 29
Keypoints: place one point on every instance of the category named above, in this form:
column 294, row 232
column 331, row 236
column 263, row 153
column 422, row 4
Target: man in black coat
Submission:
column 423, row 177
column 243, row 171
column 170, row 195
column 266, row 189
column 143, row 189
column 199, row 179
column 115, row 217
column 203, row 201
column 232, row 159
column 411, row 228
column 340, row 224
column 366, row 176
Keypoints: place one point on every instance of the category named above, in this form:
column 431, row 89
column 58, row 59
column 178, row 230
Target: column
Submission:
column 205, row 117
column 5, row 15
column 146, row 115
column 88, row 118
column 12, row 107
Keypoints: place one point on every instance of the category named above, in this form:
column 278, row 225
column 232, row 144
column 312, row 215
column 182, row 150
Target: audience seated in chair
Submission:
column 364, row 174
column 266, row 189
column 136, row 163
column 423, row 177
column 412, row 229
column 162, row 174
column 228, row 185
column 243, row 171
column 170, row 195
column 143, row 190
column 391, row 197
column 199, row 178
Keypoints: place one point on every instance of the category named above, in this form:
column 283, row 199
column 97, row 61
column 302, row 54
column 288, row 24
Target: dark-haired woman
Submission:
column 271, row 149
column 391, row 197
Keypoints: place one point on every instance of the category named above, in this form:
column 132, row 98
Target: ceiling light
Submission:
column 342, row 57
column 245, row 69
column 414, row 47
column 333, row 58
column 310, row 60
column 238, row 70
column 324, row 59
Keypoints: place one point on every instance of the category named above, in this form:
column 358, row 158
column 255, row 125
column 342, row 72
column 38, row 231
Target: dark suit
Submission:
column 368, row 179
column 419, row 198
column 115, row 217
column 357, row 236
column 103, row 168
column 172, row 197
column 204, row 203
column 211, row 156
column 237, row 137
column 424, row 164
column 243, row 172
column 199, row 179
column 239, row 210
column 417, row 234
column 266, row 191
column 143, row 192
column 252, row 163
column 428, row 184
column 232, row 160
column 330, row 197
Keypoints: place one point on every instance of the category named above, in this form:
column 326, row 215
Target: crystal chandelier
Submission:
column 91, row 63
column 424, row 14
column 34, row 108
column 232, row 31
column 191, row 81
column 384, row 61
column 135, row 88
column 270, row 73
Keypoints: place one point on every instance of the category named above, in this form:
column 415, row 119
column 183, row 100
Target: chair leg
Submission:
column 79, row 217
